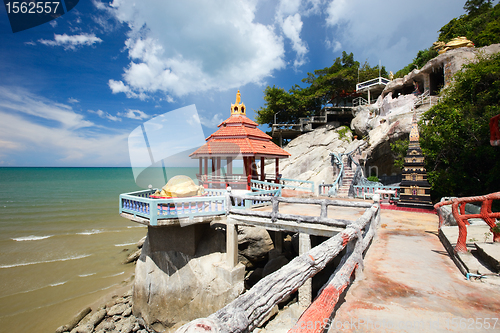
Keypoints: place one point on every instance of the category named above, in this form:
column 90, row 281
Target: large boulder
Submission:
column 254, row 243
column 310, row 154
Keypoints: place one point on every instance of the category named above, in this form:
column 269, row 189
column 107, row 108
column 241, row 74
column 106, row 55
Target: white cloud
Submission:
column 21, row 101
column 191, row 46
column 209, row 122
column 134, row 114
column 292, row 26
column 34, row 128
column 72, row 42
column 105, row 115
column 392, row 31
column 73, row 100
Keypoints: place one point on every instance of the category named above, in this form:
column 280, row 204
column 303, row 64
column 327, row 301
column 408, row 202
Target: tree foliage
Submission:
column 454, row 134
column 481, row 24
column 325, row 86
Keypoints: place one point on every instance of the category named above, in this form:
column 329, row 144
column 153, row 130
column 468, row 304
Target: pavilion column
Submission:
column 248, row 170
column 277, row 170
column 201, row 167
column 218, row 166
column 206, row 166
column 229, row 166
column 213, row 166
column 262, row 174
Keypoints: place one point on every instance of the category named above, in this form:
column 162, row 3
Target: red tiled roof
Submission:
column 234, row 119
column 245, row 146
column 243, row 131
column 241, row 137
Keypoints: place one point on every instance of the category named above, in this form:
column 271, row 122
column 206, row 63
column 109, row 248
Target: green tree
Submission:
column 481, row 24
column 454, row 134
column 325, row 86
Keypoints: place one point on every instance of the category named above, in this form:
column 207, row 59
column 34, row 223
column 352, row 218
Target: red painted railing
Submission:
column 458, row 211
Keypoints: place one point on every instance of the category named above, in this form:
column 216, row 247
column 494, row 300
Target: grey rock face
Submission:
column 172, row 286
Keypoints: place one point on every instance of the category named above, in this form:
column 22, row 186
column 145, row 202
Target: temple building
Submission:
column 415, row 190
column 237, row 138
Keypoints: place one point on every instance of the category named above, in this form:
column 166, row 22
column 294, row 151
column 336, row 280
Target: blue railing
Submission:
column 140, row 204
column 331, row 189
column 362, row 191
column 286, row 183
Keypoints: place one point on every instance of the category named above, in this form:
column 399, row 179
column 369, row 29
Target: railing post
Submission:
column 231, row 243
column 305, row 291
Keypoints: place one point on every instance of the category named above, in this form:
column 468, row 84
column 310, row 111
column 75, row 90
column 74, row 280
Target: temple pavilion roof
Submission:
column 239, row 135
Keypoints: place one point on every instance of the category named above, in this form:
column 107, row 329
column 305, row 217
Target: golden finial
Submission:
column 238, row 97
column 238, row 108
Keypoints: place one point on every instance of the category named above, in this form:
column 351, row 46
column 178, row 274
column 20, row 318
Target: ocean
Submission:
column 62, row 242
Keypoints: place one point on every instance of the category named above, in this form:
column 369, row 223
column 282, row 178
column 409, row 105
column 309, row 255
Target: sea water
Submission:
column 62, row 242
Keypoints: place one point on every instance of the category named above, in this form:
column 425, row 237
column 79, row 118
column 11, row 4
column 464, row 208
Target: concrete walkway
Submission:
column 411, row 285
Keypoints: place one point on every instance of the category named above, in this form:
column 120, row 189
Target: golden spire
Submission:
column 238, row 108
column 414, row 135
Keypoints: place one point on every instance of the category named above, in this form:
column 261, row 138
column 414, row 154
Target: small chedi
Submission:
column 415, row 190
column 180, row 187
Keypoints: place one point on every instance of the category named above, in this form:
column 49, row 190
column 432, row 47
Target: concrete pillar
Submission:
column 369, row 98
column 231, row 244
column 305, row 292
column 278, row 241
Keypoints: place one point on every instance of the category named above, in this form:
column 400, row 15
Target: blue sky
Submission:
column 73, row 89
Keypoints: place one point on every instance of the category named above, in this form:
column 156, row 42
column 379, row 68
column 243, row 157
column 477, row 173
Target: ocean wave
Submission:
column 85, row 275
column 57, row 284
column 30, row 238
column 117, row 274
column 125, row 244
column 46, row 261
column 90, row 232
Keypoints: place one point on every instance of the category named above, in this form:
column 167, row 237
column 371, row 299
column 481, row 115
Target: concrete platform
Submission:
column 483, row 255
column 412, row 285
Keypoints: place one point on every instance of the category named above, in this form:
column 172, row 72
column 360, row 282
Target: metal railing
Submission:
column 373, row 82
column 359, row 101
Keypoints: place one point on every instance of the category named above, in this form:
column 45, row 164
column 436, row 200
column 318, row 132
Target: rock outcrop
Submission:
column 177, row 282
column 310, row 154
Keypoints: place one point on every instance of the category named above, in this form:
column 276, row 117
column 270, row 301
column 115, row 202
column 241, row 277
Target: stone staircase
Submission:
column 343, row 191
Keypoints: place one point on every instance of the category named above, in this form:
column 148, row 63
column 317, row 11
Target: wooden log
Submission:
column 244, row 313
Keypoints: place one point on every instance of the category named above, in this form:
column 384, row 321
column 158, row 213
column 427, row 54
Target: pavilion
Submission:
column 237, row 138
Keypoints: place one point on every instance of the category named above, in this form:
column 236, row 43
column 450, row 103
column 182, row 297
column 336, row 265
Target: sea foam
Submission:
column 46, row 261
column 31, row 238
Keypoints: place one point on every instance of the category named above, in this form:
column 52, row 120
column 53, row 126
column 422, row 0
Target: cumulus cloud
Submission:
column 191, row 46
column 134, row 114
column 292, row 26
column 72, row 42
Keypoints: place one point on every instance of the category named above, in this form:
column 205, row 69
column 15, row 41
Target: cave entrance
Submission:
column 436, row 80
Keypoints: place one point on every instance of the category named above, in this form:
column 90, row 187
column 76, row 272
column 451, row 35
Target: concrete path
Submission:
column 411, row 285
